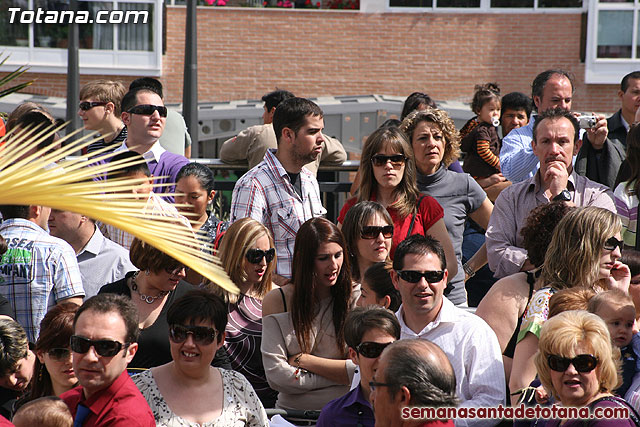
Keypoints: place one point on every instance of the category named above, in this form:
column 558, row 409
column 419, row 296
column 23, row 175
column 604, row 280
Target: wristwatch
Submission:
column 564, row 196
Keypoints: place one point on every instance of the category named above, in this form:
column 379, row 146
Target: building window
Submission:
column 115, row 37
column 612, row 40
column 487, row 4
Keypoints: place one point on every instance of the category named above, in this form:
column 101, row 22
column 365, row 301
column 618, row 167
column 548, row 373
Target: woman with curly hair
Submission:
column 584, row 251
column 303, row 346
column 388, row 176
column 436, row 144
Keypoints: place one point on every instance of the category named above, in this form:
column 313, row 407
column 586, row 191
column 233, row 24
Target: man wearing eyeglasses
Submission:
column 367, row 331
column 555, row 142
column 420, row 275
column 144, row 114
column 105, row 338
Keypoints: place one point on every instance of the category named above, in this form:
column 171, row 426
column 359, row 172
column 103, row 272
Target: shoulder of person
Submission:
column 272, row 302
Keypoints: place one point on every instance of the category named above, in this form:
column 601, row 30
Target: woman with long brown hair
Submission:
column 303, row 346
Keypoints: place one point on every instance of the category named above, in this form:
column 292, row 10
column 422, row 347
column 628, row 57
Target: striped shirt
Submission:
column 266, row 194
column 627, row 206
column 36, row 272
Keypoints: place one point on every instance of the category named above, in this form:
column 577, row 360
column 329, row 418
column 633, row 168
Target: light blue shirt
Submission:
column 517, row 160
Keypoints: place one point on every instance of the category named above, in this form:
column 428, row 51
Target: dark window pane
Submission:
column 132, row 35
column 615, row 32
column 410, row 3
column 511, row 3
column 559, row 3
column 94, row 35
column 50, row 35
column 12, row 34
column 458, row 3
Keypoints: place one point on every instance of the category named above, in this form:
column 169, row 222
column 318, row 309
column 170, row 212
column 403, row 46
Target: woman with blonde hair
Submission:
column 248, row 255
column 436, row 144
column 388, row 176
column 584, row 251
column 578, row 366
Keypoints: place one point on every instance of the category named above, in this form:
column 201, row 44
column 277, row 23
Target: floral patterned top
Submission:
column 537, row 313
column 210, row 231
column 241, row 404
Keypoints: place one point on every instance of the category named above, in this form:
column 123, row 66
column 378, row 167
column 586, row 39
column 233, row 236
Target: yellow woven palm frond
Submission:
column 50, row 178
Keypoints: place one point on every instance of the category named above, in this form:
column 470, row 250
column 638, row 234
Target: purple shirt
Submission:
column 504, row 241
column 347, row 411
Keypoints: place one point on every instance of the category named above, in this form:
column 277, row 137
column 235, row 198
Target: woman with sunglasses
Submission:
column 303, row 345
column 157, row 283
column 584, row 251
column 368, row 230
column 436, row 144
column 248, row 256
column 188, row 391
column 99, row 109
column 53, row 373
column 388, row 176
column 579, row 368
column 194, row 190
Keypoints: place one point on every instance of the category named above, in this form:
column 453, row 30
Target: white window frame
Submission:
column 92, row 61
column 609, row 70
column 485, row 7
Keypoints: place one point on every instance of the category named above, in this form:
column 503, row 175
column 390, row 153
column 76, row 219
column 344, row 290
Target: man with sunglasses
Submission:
column 144, row 114
column 367, row 331
column 279, row 192
column 105, row 338
column 555, row 142
column 420, row 275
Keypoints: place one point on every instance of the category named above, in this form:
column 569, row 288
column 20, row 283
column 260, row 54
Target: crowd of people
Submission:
column 353, row 321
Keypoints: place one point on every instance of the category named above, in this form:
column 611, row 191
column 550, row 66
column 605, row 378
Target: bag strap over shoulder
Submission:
column 413, row 217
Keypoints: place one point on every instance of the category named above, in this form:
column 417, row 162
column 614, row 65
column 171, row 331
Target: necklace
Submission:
column 146, row 298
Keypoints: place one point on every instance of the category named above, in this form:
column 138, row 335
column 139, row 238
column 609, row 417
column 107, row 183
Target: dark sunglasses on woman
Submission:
column 583, row 363
column 254, row 256
column 370, row 349
column 373, row 231
column 201, row 334
column 59, row 354
column 105, row 348
column 148, row 110
column 612, row 243
column 86, row 105
column 381, row 160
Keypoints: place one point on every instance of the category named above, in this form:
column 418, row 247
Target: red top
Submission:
column 437, row 423
column 121, row 404
column 3, row 421
column 429, row 212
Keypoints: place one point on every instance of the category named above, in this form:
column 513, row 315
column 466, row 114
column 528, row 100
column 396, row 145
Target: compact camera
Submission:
column 587, row 122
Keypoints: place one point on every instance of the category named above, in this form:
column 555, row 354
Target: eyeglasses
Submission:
column 105, row 348
column 86, row 105
column 415, row 276
column 148, row 109
column 582, row 363
column 254, row 256
column 59, row 354
column 374, row 384
column 612, row 243
column 201, row 334
column 371, row 349
column 176, row 270
column 381, row 160
column 372, row 232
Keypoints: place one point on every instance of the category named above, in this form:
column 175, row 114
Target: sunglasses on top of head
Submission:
column 583, row 363
column 254, row 256
column 87, row 105
column 373, row 231
column 395, row 159
column 148, row 110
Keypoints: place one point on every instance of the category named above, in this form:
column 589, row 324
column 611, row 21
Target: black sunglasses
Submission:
column 415, row 276
column 254, row 256
column 371, row 349
column 105, row 348
column 86, row 105
column 176, row 269
column 201, row 334
column 148, row 109
column 582, row 363
column 612, row 243
column 381, row 160
column 372, row 231
column 59, row 354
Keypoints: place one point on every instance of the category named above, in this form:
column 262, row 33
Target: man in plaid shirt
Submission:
column 279, row 192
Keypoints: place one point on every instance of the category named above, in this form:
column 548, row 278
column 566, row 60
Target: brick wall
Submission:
column 245, row 52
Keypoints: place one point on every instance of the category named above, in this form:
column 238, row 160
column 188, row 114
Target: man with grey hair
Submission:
column 412, row 373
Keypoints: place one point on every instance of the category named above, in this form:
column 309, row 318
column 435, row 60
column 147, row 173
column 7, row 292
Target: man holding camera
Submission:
column 555, row 142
